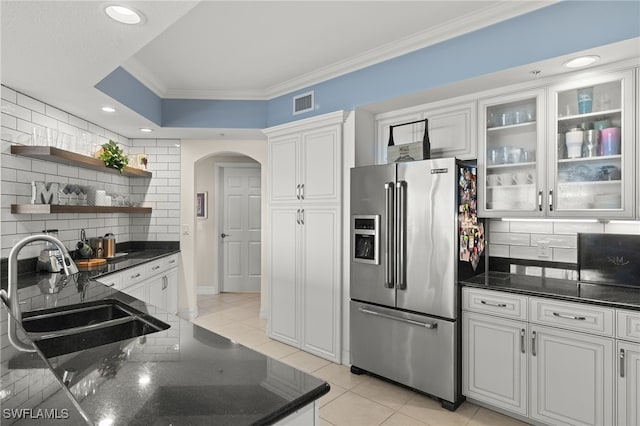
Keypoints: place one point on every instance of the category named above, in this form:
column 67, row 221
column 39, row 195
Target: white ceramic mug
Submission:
column 522, row 178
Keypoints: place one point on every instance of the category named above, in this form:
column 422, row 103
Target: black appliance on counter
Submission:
column 609, row 259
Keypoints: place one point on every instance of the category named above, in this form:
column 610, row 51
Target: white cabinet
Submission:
column 495, row 361
column 452, row 129
column 305, row 160
column 305, row 234
column 628, row 383
column 542, row 153
column 552, row 362
column 628, row 367
column 571, row 378
column 591, row 147
column 512, row 155
column 155, row 282
column 305, row 279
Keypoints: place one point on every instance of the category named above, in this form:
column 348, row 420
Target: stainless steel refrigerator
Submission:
column 413, row 233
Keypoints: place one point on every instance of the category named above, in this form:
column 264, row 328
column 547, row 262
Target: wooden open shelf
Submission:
column 68, row 158
column 57, row 208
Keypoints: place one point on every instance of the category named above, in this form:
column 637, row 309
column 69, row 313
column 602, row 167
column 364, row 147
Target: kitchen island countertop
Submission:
column 573, row 291
column 182, row 375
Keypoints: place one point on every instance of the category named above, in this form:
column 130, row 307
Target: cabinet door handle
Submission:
column 165, row 282
column 155, row 268
column 567, row 316
column 550, row 200
column 298, row 216
column 111, row 284
column 302, row 217
column 622, row 363
column 298, row 191
column 135, row 276
column 302, row 191
column 533, row 343
column 522, row 344
column 540, row 200
column 497, row 305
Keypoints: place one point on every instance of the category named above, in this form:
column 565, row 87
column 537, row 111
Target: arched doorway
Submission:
column 200, row 257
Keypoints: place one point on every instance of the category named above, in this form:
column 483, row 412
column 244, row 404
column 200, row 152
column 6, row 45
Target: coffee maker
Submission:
column 50, row 258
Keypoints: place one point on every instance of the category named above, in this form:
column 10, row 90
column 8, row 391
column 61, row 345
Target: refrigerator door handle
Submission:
column 400, row 229
column 388, row 249
column 405, row 320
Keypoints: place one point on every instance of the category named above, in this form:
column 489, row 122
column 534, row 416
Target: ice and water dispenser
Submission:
column 365, row 231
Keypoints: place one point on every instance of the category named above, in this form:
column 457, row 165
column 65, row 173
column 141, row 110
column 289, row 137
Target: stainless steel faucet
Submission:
column 11, row 298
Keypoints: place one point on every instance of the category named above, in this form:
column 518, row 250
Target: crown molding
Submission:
column 448, row 30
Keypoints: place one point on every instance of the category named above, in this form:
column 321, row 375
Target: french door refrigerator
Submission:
column 414, row 232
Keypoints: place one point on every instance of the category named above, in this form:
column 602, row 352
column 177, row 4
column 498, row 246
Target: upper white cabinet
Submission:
column 305, row 160
column 591, row 147
column 451, row 129
column 512, row 154
column 566, row 150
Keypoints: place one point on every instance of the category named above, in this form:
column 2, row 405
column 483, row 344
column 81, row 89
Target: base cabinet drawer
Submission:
column 628, row 325
column 573, row 316
column 495, row 303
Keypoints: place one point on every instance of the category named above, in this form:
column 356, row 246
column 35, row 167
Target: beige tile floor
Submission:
column 353, row 400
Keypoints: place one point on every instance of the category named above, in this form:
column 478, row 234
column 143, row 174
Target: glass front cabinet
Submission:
column 511, row 155
column 573, row 158
column 591, row 147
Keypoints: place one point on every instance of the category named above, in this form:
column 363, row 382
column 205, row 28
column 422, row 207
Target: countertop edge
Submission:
column 294, row 405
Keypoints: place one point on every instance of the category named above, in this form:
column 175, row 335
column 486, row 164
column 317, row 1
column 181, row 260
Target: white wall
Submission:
column 192, row 152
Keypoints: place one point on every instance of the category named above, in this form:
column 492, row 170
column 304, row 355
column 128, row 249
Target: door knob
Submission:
column 223, row 235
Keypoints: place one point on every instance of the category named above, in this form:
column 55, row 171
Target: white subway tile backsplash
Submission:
column 565, row 255
column 531, row 227
column 622, row 228
column 497, row 225
column 509, row 238
column 561, row 241
column 22, row 114
column 30, row 103
column 498, row 250
column 522, row 252
column 575, row 227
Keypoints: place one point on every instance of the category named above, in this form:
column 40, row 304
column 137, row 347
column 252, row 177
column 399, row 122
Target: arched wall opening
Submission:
column 198, row 260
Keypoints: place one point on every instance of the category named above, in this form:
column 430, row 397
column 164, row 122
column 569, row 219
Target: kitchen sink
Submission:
column 87, row 325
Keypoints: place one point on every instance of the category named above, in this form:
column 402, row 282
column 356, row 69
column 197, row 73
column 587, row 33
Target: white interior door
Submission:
column 240, row 233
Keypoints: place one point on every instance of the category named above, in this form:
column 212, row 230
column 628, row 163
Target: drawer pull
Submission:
column 135, row 276
column 622, row 363
column 172, row 261
column 522, row 344
column 497, row 305
column 567, row 316
column 111, row 284
column 156, row 267
column 405, row 320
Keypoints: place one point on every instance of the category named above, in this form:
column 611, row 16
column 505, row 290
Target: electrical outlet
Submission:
column 543, row 249
column 185, row 229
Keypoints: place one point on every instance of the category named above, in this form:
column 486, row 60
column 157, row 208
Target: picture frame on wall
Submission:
column 201, row 204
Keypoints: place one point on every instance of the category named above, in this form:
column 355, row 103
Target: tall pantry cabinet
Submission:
column 305, row 234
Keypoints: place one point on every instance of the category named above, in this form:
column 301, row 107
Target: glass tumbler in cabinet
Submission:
column 509, row 155
column 592, row 173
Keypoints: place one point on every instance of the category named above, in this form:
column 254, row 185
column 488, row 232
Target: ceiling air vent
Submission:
column 303, row 103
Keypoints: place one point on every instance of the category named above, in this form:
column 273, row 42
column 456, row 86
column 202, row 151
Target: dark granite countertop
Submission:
column 598, row 294
column 182, row 375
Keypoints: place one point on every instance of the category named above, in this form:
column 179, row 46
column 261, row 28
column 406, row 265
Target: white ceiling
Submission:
column 56, row 51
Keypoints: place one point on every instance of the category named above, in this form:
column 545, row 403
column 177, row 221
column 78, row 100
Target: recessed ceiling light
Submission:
column 145, row 129
column 581, row 61
column 108, row 109
column 123, row 14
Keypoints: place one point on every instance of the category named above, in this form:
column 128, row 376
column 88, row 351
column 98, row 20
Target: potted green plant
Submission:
column 113, row 156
